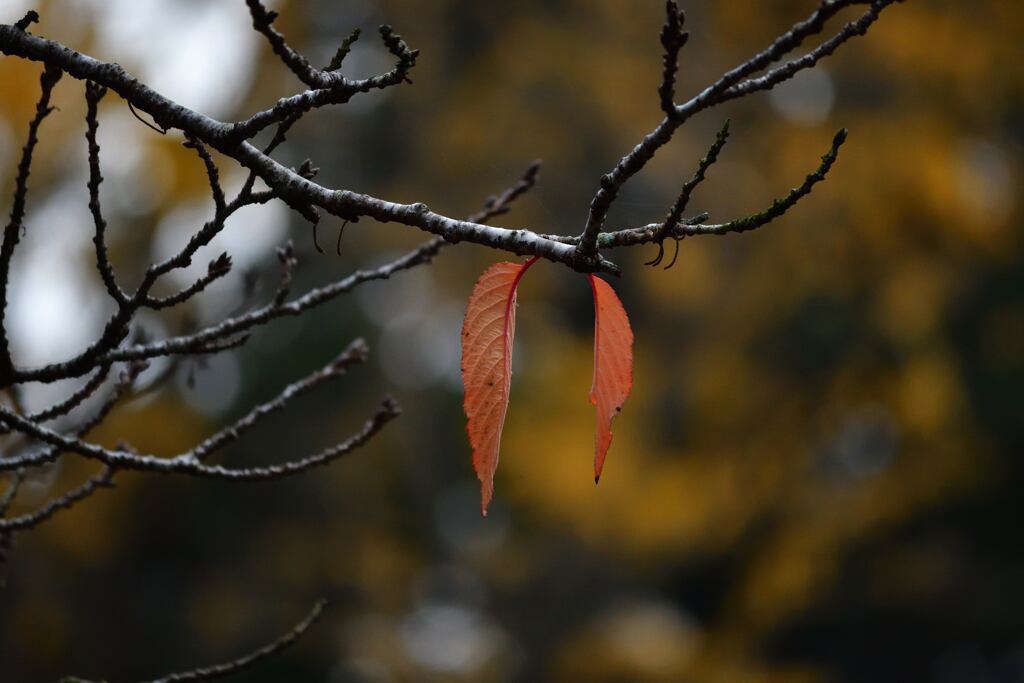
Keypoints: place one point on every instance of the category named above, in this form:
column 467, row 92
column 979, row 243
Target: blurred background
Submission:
column 816, row 477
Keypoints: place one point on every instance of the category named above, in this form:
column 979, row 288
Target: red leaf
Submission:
column 613, row 365
column 487, row 334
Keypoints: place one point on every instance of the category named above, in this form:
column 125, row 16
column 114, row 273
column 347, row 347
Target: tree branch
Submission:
column 289, row 185
column 12, row 232
column 64, row 502
column 673, row 39
column 241, row 663
column 694, row 227
column 722, row 91
column 675, row 214
column 356, row 352
column 183, row 464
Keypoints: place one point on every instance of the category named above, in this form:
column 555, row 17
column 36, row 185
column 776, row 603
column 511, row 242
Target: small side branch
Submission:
column 673, row 38
column 327, row 86
column 12, row 233
column 263, row 21
column 730, row 86
column 675, row 214
column 346, row 46
column 247, row 661
column 218, row 268
column 127, row 460
column 212, row 174
column 779, row 206
column 11, row 492
column 356, row 352
column 93, row 94
column 64, row 502
column 52, row 452
column 791, row 68
column 241, row 663
column 327, row 83
column 72, row 401
column 781, row 46
column 231, row 326
column 699, row 226
column 30, row 18
column 502, row 203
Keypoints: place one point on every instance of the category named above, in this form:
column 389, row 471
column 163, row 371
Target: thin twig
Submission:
column 673, row 39
column 247, row 661
column 51, row 453
column 65, row 502
column 212, row 174
column 72, row 401
column 241, row 663
column 123, row 459
column 781, row 206
column 217, row 268
column 675, row 214
column 355, row 353
column 726, row 88
column 12, row 233
column 11, row 492
column 93, row 94
column 690, row 227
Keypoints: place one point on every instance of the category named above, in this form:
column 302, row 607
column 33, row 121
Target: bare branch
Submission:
column 218, row 268
column 11, row 492
column 355, row 353
column 199, row 341
column 297, row 191
column 263, row 22
column 346, row 46
column 790, row 69
column 303, row 195
column 52, row 453
column 12, row 233
column 675, row 214
column 502, row 203
column 71, row 402
column 781, row 46
column 721, row 91
column 247, row 661
column 212, row 174
column 419, row 256
column 188, row 343
column 692, row 227
column 64, row 502
column 673, row 38
column 123, row 459
column 206, row 340
column 117, row 326
column 30, row 18
column 93, row 94
column 239, row 664
column 329, row 86
column 779, row 206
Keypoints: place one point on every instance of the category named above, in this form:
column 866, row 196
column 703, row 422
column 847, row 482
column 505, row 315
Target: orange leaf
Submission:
column 487, row 334
column 613, row 365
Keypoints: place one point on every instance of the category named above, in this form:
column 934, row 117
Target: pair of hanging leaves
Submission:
column 488, row 333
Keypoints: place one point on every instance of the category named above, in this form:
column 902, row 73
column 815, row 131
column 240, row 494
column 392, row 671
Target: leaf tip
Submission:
column 485, row 498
